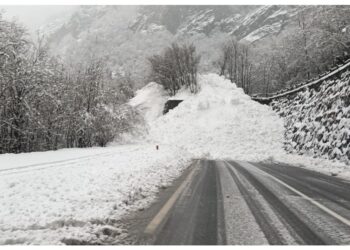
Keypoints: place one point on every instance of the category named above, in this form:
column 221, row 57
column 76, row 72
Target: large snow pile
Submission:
column 220, row 122
column 150, row 101
column 72, row 195
column 318, row 121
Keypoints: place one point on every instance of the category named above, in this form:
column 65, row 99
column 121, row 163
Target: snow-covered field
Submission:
column 52, row 197
column 82, row 191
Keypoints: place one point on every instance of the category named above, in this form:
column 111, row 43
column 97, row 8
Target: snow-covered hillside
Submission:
column 241, row 21
column 127, row 35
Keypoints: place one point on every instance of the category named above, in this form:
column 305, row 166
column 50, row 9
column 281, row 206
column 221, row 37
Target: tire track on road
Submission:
column 305, row 233
column 261, row 218
column 320, row 188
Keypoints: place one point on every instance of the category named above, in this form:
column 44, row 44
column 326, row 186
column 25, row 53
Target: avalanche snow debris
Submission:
column 221, row 122
column 150, row 100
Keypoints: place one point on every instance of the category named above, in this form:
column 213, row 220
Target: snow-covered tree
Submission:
column 44, row 104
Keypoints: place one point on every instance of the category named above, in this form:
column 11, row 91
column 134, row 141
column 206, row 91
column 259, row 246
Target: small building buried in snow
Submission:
column 170, row 104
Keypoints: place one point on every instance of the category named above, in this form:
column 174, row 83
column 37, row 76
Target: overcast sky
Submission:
column 34, row 16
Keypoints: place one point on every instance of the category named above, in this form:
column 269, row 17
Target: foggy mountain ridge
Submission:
column 126, row 36
column 242, row 21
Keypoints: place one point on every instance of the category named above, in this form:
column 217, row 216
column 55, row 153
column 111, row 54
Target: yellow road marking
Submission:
column 157, row 220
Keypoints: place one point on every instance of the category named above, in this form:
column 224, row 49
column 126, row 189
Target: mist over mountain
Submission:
column 127, row 35
column 34, row 17
column 244, row 22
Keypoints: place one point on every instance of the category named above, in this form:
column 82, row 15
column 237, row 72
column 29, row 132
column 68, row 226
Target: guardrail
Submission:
column 311, row 84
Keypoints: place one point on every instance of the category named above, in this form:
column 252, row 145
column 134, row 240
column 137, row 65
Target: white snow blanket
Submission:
column 49, row 197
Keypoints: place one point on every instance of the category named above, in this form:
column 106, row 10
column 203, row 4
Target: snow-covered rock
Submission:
column 317, row 121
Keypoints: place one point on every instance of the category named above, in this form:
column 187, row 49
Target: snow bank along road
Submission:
column 235, row 202
column 77, row 195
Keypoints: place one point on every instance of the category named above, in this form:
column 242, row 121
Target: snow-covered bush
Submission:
column 317, row 121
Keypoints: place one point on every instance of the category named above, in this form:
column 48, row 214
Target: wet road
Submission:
column 241, row 203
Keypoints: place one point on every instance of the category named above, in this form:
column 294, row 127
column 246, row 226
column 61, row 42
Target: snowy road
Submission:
column 221, row 202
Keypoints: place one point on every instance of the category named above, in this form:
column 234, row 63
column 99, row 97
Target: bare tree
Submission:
column 175, row 68
column 235, row 64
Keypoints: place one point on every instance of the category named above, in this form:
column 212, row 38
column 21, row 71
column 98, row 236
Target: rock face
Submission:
column 317, row 120
column 248, row 22
column 245, row 22
column 127, row 35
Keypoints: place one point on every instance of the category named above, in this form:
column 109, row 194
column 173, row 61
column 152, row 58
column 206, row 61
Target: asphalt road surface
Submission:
column 241, row 203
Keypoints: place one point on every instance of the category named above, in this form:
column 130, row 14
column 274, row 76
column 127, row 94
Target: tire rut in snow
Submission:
column 270, row 232
column 312, row 184
column 45, row 165
column 308, row 236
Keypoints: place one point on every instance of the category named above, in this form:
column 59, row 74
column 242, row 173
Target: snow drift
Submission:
column 150, row 101
column 220, row 122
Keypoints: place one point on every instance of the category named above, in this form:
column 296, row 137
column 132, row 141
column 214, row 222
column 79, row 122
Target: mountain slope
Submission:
column 253, row 22
column 127, row 35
